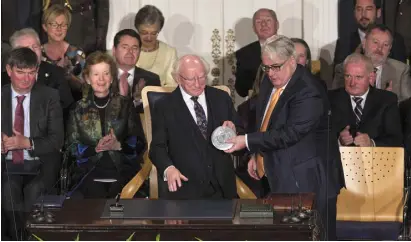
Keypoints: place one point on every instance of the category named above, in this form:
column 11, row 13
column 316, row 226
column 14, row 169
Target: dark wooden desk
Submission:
column 82, row 217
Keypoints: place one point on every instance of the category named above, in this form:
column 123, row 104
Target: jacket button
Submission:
column 209, row 166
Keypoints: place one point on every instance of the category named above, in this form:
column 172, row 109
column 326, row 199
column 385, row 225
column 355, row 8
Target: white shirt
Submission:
column 361, row 34
column 26, row 107
column 190, row 103
column 130, row 77
column 266, row 108
column 378, row 77
column 364, row 97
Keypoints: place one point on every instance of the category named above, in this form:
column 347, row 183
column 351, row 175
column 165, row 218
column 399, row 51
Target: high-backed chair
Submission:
column 150, row 95
column 372, row 205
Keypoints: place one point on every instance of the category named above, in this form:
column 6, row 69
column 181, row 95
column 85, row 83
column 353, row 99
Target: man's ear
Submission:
column 44, row 27
column 113, row 52
column 379, row 13
column 176, row 77
column 8, row 69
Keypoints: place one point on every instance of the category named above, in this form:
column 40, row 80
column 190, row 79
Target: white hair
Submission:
column 177, row 64
column 23, row 32
column 281, row 46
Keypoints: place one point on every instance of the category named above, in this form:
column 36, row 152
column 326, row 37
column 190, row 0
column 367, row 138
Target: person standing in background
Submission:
column 155, row 56
column 88, row 29
column 397, row 16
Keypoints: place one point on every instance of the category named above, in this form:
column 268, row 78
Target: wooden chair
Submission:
column 148, row 168
column 372, row 203
column 315, row 66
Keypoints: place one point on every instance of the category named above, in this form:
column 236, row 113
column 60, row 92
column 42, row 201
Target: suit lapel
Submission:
column 386, row 75
column 347, row 108
column 35, row 105
column 287, row 93
column 184, row 117
column 6, row 117
column 355, row 41
column 368, row 105
column 265, row 92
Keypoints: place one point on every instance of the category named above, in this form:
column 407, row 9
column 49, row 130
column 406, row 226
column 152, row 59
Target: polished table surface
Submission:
column 82, row 217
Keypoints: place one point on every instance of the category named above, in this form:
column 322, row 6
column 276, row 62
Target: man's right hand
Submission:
column 174, row 178
column 252, row 168
column 345, row 136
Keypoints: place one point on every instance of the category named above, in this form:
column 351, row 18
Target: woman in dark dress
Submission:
column 104, row 132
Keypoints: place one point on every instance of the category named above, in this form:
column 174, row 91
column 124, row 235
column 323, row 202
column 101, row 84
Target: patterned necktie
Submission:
column 357, row 110
column 264, row 126
column 201, row 117
column 18, row 155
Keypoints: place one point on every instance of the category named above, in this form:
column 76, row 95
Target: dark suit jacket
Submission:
column 380, row 118
column 346, row 45
column 150, row 78
column 46, row 127
column 18, row 14
column 51, row 76
column 405, row 109
column 177, row 141
column 291, row 160
column 248, row 61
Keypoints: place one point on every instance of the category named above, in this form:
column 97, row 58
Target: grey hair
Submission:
column 23, row 32
column 270, row 11
column 359, row 58
column 149, row 14
column 281, row 46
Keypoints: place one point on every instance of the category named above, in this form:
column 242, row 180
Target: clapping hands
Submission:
column 108, row 142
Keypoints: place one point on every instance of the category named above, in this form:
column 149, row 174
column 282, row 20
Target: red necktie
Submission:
column 18, row 155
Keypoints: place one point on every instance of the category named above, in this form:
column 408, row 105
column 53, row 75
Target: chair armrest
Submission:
column 243, row 191
column 134, row 184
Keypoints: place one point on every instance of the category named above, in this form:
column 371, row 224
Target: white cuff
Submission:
column 246, row 142
column 165, row 173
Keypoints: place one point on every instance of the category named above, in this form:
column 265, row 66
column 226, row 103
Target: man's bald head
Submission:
column 190, row 72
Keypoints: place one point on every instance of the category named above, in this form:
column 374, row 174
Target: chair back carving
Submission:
column 374, row 178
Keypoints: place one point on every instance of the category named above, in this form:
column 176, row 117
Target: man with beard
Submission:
column 366, row 12
column 265, row 25
column 389, row 74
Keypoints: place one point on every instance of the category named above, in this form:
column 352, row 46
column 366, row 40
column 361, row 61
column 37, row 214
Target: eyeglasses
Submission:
column 198, row 78
column 56, row 26
column 274, row 67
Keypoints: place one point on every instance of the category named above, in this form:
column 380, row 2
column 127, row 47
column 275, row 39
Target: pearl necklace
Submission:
column 101, row 107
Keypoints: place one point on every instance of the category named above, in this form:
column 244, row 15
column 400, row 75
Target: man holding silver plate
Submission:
column 190, row 127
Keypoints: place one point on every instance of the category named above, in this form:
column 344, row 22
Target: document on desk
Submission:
column 173, row 209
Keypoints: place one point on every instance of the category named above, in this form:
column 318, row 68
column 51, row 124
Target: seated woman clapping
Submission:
column 104, row 132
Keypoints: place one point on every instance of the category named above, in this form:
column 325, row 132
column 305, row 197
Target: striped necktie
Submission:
column 357, row 110
column 201, row 117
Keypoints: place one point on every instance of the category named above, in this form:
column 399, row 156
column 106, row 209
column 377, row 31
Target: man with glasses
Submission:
column 290, row 108
column 181, row 148
column 364, row 115
column 132, row 79
column 389, row 74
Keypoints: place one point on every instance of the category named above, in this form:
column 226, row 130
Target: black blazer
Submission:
column 248, row 61
column 347, row 45
column 405, row 109
column 46, row 127
column 291, row 160
column 52, row 76
column 178, row 141
column 380, row 118
column 150, row 79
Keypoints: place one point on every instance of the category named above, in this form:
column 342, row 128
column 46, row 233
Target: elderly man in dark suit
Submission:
column 181, row 149
column 366, row 13
column 32, row 136
column 48, row 74
column 364, row 115
column 389, row 74
column 265, row 25
column 290, row 108
column 132, row 79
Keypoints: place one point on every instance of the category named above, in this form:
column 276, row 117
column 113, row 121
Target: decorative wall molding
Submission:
column 230, row 55
column 216, row 55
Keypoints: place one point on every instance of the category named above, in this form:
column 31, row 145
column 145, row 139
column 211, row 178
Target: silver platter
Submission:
column 219, row 137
